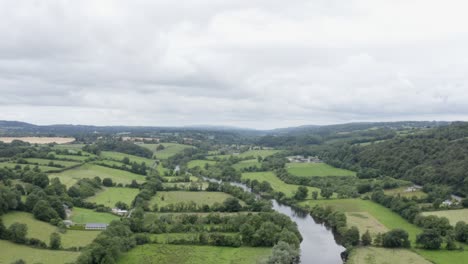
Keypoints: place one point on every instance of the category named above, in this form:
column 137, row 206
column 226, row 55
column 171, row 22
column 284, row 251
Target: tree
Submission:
column 19, row 261
column 107, row 182
column 326, row 193
column 351, row 236
column 284, row 253
column 314, row 195
column 232, row 204
column 3, row 230
column 301, row 193
column 461, row 231
column 41, row 180
column 429, row 239
column 18, row 232
column 396, row 238
column 43, row 211
column 366, row 239
column 121, row 205
column 160, row 147
column 55, row 241
column 126, row 160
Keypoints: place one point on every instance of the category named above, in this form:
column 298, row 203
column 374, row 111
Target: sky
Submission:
column 254, row 63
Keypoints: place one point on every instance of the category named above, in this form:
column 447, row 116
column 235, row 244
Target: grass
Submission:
column 246, row 164
column 11, row 252
column 110, row 196
column 42, row 230
column 200, row 198
column 373, row 255
column 183, row 254
column 45, row 162
column 12, row 165
column 82, row 158
column 170, row 149
column 278, row 185
column 452, row 215
column 83, row 216
column 112, row 155
column 69, row 177
column 165, row 237
column 200, row 163
column 75, row 147
column 316, row 169
column 403, row 193
column 250, row 153
column 365, row 221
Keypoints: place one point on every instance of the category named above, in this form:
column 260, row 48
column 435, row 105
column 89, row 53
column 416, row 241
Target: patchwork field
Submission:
column 365, row 221
column 13, row 165
column 42, row 230
column 75, row 147
column 250, row 153
column 200, row 163
column 403, row 192
column 110, row 196
column 45, row 162
column 170, row 149
column 182, row 254
column 373, row 255
column 11, row 252
column 316, row 169
column 82, row 158
column 39, row 140
column 119, row 156
column 83, row 216
column 278, row 185
column 246, row 164
column 200, row 198
column 69, row 177
column 452, row 215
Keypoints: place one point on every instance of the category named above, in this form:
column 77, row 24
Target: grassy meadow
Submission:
column 12, row 165
column 373, row 255
column 452, row 215
column 69, row 177
column 200, row 198
column 187, row 254
column 200, row 163
column 42, row 230
column 45, row 162
column 170, row 149
column 83, row 216
column 11, row 252
column 316, row 169
column 402, row 191
column 110, row 196
column 246, row 164
column 278, row 185
column 112, row 155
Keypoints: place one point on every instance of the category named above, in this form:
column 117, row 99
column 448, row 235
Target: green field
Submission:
column 452, row 215
column 83, row 216
column 167, row 237
column 11, row 252
column 365, row 221
column 42, row 230
column 278, row 185
column 75, row 147
column 373, row 255
column 391, row 220
column 200, row 198
column 250, row 153
column 402, row 191
column 246, row 164
column 200, row 163
column 170, row 149
column 112, row 155
column 110, row 196
column 45, row 162
column 69, row 177
column 316, row 169
column 12, row 165
column 182, row 254
column 74, row 157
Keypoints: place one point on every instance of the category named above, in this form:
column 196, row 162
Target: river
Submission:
column 318, row 245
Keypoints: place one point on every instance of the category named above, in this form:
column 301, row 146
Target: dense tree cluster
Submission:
column 119, row 146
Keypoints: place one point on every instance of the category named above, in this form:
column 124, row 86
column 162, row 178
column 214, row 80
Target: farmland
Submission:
column 170, row 149
column 246, row 164
column 316, row 169
column 200, row 163
column 365, row 221
column 372, row 255
column 69, row 177
column 250, row 153
column 403, row 192
column 45, row 162
column 13, row 165
column 112, row 155
column 110, row 196
column 83, row 216
column 182, row 254
column 200, row 198
column 39, row 140
column 12, row 252
column 452, row 215
column 42, row 230
column 277, row 184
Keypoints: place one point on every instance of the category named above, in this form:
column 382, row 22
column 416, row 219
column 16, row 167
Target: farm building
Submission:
column 118, row 211
column 95, row 226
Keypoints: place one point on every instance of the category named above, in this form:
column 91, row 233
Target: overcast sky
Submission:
column 253, row 63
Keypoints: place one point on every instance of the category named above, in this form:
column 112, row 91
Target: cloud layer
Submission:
column 258, row 63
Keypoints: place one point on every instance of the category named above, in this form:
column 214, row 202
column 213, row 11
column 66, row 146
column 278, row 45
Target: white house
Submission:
column 118, row 211
column 96, row 226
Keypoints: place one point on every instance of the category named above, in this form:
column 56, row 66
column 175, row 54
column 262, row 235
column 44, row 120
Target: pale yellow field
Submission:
column 365, row 221
column 372, row 255
column 39, row 140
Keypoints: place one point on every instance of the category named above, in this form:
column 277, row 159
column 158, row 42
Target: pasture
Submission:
column 69, row 177
column 316, row 169
column 200, row 198
column 403, row 192
column 109, row 196
column 373, row 255
column 365, row 221
column 200, row 163
column 246, row 164
column 85, row 156
column 278, row 185
column 12, row 165
column 83, row 216
column 452, row 215
column 42, row 230
column 250, row 153
column 185, row 254
column 39, row 140
column 170, row 149
column 11, row 252
column 117, row 156
column 46, row 162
